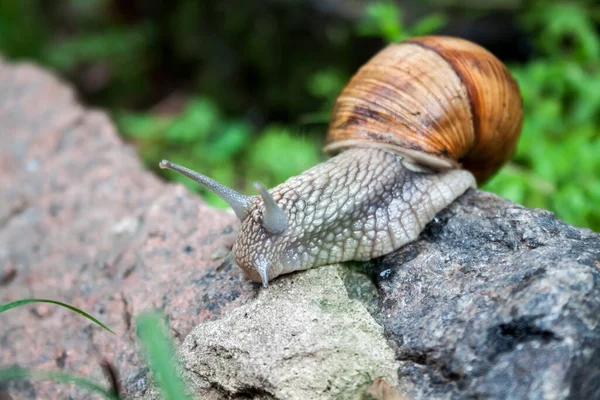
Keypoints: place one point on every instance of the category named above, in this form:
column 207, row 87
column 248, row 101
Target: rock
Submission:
column 302, row 338
column 381, row 390
column 81, row 221
column 492, row 301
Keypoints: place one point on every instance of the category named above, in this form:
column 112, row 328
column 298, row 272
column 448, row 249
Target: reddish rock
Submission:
column 82, row 222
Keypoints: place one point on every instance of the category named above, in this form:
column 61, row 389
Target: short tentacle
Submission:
column 274, row 219
column 262, row 267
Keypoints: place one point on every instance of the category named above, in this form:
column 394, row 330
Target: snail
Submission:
column 418, row 125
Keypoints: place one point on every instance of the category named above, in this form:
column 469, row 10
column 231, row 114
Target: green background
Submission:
column 241, row 90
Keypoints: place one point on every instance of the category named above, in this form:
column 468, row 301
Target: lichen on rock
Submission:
column 302, row 338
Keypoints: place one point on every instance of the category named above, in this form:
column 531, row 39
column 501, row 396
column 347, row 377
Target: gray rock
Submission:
column 494, row 301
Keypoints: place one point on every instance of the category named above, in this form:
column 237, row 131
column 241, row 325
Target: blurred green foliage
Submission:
column 557, row 163
column 241, row 91
column 200, row 138
column 158, row 348
column 385, row 19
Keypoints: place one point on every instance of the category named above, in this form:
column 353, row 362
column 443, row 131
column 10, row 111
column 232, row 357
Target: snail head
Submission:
column 264, row 232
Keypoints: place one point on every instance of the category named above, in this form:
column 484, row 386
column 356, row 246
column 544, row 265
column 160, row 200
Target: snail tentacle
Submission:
column 274, row 219
column 237, row 201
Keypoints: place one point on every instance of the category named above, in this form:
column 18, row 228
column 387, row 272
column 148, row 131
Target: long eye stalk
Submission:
column 237, row 201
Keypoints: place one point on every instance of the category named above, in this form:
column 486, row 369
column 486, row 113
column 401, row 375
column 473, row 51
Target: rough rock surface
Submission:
column 303, row 338
column 82, row 222
column 493, row 300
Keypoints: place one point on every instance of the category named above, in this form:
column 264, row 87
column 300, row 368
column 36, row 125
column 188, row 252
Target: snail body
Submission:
column 417, row 126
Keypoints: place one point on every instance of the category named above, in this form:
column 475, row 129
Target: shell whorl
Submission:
column 444, row 102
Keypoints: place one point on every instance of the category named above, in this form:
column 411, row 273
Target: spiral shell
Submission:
column 444, row 102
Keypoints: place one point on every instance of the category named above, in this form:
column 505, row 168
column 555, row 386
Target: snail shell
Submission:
column 444, row 102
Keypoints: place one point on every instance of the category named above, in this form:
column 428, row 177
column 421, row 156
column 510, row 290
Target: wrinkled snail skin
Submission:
column 361, row 204
column 358, row 205
column 417, row 126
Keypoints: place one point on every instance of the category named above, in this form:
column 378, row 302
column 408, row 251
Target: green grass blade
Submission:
column 13, row 373
column 8, row 306
column 151, row 332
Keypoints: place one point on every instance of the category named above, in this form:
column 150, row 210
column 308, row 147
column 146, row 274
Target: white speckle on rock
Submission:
column 32, row 165
column 127, row 226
